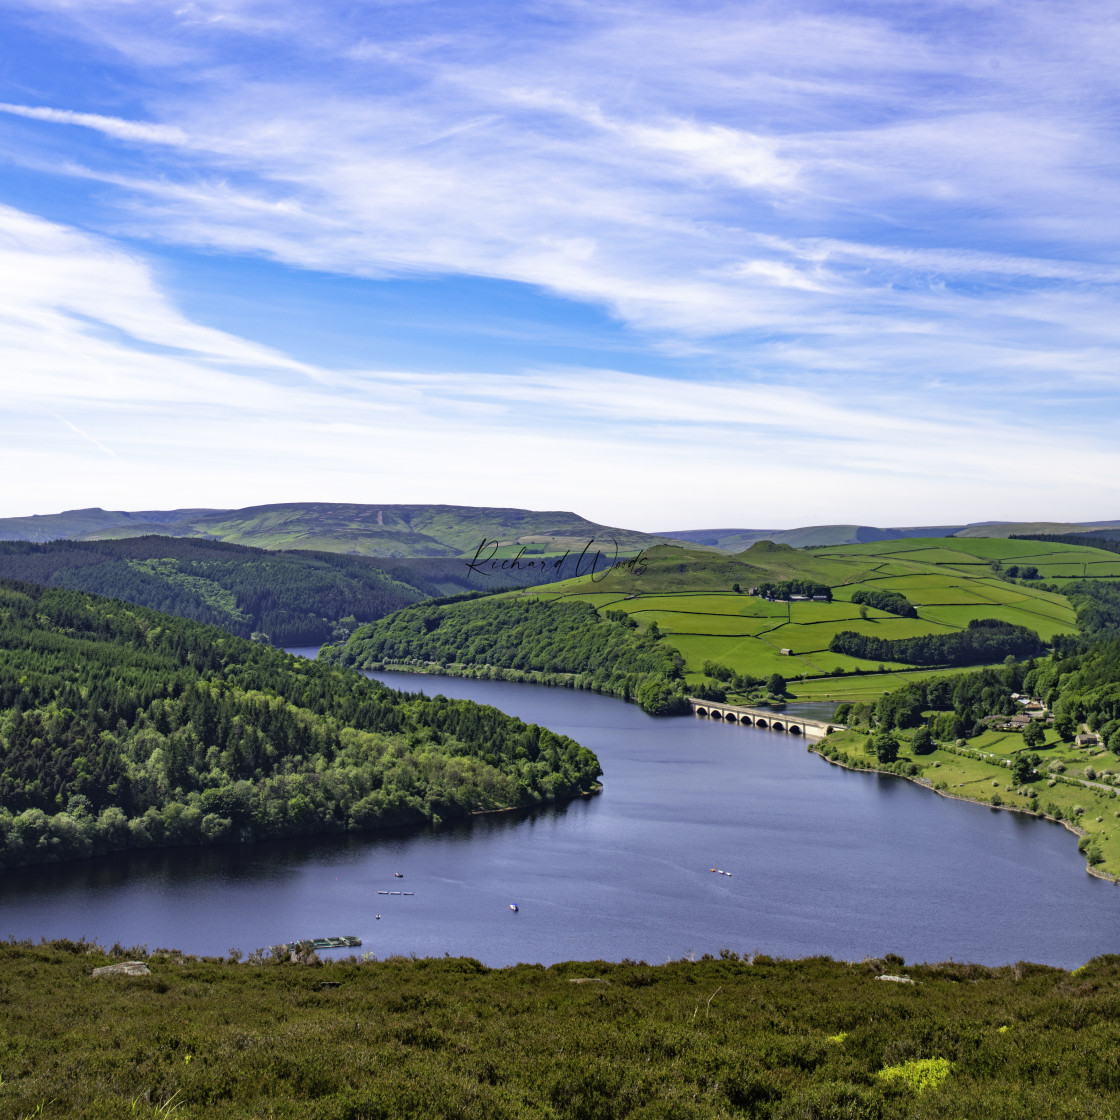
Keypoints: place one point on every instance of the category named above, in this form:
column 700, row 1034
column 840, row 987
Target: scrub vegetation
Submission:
column 443, row 1038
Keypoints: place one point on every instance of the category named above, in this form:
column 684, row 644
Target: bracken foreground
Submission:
column 428, row 1038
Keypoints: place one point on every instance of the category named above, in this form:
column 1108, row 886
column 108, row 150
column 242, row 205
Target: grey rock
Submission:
column 125, row 968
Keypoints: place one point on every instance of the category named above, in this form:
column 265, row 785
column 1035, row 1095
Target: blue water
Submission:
column 822, row 860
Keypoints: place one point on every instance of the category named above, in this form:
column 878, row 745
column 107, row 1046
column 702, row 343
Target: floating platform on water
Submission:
column 348, row 941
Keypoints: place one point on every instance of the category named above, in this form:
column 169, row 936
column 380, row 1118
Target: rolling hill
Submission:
column 815, row 536
column 689, row 595
column 364, row 530
column 295, row 597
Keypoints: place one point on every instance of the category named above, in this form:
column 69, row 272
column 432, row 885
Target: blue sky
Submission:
column 667, row 265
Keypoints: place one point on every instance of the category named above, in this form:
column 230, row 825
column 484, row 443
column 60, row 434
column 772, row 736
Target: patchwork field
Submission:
column 950, row 581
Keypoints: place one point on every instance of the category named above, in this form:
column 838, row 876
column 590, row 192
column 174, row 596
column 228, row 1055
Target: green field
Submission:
column 868, row 687
column 950, row 582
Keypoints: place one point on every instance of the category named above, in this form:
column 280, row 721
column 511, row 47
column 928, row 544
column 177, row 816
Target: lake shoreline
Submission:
column 812, row 746
column 925, row 783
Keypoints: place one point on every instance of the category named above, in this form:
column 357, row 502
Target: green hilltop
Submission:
column 688, row 598
column 950, row 581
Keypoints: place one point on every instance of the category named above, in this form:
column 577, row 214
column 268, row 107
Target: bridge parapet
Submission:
column 771, row 718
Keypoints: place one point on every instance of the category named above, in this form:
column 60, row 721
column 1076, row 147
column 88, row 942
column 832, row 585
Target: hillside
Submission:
column 294, row 597
column 950, row 581
column 566, row 643
column 806, row 536
column 956, row 734
column 732, row 642
column 435, row 1039
column 124, row 728
column 366, row 530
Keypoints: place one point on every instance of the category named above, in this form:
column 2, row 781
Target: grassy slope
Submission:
column 686, row 593
column 1004, row 528
column 448, row 1038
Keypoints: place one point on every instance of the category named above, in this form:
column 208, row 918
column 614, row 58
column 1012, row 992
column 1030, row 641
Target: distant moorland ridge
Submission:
column 455, row 531
column 366, row 530
column 812, row 536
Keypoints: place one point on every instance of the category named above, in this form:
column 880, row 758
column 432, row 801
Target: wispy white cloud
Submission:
column 867, row 235
column 219, row 421
column 111, row 126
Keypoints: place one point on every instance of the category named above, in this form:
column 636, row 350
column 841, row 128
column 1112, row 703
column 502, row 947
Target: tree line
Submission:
column 786, row 588
column 122, row 727
column 983, row 640
column 1107, row 539
column 893, row 602
column 608, row 653
column 1079, row 683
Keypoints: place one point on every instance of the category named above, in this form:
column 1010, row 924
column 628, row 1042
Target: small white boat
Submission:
column 408, row 892
column 398, row 875
column 513, row 907
column 382, row 892
column 378, row 917
column 394, row 892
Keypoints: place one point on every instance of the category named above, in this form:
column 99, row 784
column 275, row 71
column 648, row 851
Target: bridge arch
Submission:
column 775, row 721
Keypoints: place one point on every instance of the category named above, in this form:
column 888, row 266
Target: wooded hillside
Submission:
column 604, row 653
column 122, row 727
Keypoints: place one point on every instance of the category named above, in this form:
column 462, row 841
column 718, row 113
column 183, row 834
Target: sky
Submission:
column 666, row 265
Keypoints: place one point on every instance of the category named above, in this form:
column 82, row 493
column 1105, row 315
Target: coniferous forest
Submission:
column 553, row 643
column 121, row 727
column 295, row 598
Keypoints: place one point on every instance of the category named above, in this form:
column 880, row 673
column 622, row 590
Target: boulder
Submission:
column 125, row 968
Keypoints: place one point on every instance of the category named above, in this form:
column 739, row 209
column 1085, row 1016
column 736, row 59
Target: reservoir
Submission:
column 822, row 861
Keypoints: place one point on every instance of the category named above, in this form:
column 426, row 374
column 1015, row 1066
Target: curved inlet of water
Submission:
column 823, row 861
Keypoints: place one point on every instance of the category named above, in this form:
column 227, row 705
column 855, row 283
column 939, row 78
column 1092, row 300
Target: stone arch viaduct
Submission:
column 764, row 717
